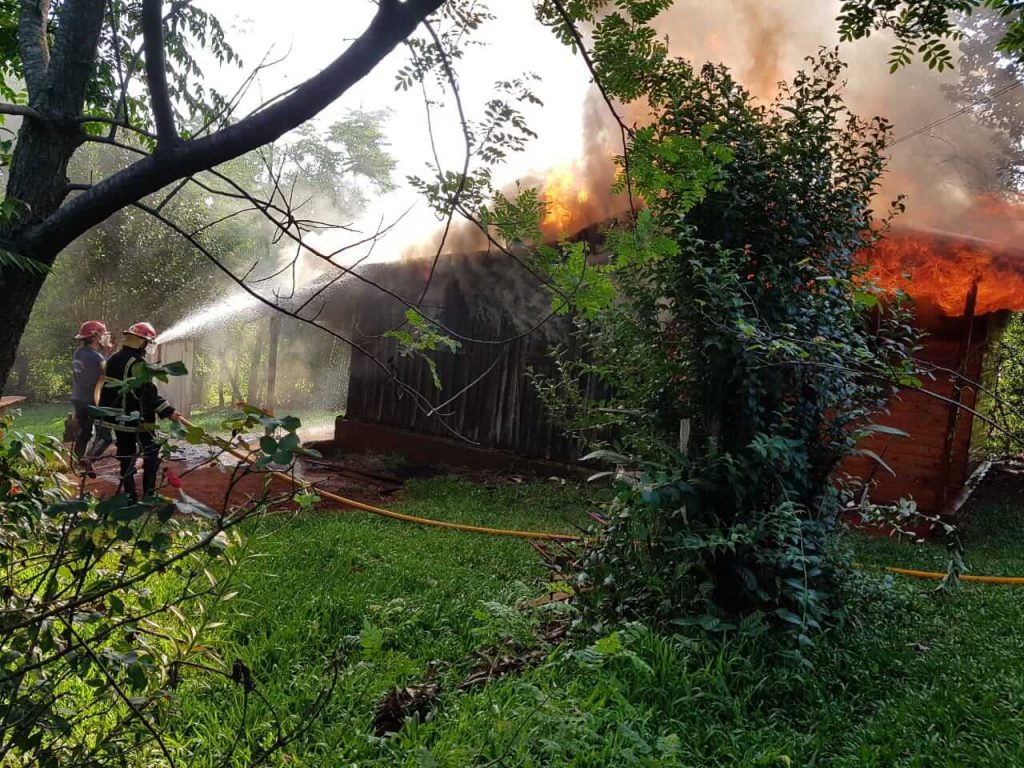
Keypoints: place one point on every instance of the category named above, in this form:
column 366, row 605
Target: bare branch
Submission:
column 626, row 132
column 22, row 110
column 116, row 123
column 422, row 403
column 453, row 204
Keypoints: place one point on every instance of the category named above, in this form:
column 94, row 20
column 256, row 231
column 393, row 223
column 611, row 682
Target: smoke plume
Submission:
column 951, row 174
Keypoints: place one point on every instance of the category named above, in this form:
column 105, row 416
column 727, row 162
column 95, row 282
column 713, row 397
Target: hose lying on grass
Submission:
column 381, row 512
column 547, row 536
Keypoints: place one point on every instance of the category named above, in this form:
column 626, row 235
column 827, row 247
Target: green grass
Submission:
column 210, row 417
column 42, row 419
column 48, row 418
column 384, row 597
column 921, row 679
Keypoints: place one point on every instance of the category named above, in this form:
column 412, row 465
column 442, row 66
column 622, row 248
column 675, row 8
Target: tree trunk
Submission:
column 275, row 336
column 37, row 183
column 236, row 393
column 21, row 368
column 253, row 385
column 19, row 291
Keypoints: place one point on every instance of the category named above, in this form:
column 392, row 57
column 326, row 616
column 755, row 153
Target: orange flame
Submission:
column 939, row 270
column 564, row 196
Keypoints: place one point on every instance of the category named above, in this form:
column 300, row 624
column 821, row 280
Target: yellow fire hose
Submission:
column 546, row 536
column 380, row 511
column 963, row 577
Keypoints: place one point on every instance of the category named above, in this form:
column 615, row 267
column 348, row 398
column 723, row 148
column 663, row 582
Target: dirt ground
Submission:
column 366, row 477
column 355, row 476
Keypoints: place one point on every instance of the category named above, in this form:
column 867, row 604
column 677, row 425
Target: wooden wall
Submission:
column 493, row 307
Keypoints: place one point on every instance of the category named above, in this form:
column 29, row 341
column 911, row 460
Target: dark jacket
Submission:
column 146, row 399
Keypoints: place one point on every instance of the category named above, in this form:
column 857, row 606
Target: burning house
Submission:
column 487, row 412
column 963, row 287
column 964, row 290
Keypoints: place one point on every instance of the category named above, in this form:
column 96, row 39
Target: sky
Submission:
column 313, row 32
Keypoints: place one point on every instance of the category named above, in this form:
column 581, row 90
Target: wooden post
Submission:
column 958, row 391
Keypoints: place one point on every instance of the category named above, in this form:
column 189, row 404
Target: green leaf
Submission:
column 787, row 615
column 875, row 457
column 190, row 506
column 883, row 429
column 865, row 299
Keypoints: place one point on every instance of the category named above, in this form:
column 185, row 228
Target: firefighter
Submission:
column 87, row 371
column 135, row 436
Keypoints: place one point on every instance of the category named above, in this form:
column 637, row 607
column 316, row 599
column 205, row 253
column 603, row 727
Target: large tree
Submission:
column 84, row 64
column 925, row 27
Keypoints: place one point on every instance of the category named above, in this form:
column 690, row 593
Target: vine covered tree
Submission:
column 744, row 352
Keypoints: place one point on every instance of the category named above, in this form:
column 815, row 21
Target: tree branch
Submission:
column 156, row 72
column 392, row 23
column 35, row 52
column 421, row 401
column 22, row 110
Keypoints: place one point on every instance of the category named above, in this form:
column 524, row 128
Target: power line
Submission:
column 954, row 115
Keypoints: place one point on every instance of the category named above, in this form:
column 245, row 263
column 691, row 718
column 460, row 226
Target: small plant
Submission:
column 92, row 651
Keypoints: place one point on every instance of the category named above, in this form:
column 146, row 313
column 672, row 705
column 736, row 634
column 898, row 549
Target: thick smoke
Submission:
column 950, row 174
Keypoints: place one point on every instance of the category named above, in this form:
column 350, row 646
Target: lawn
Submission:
column 42, row 418
column 920, row 679
column 48, row 418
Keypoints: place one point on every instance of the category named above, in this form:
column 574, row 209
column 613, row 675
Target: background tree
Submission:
column 94, row 69
column 989, row 89
column 925, row 27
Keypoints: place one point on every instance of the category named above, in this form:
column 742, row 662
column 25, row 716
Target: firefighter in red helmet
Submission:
column 87, row 370
column 140, row 408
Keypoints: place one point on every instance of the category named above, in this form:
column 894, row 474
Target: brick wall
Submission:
column 927, row 466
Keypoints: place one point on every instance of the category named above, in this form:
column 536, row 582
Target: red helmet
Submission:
column 91, row 328
column 143, row 331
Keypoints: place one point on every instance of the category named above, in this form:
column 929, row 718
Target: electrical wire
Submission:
column 954, row 115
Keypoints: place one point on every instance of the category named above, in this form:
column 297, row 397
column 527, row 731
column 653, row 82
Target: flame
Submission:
column 564, row 196
column 940, row 270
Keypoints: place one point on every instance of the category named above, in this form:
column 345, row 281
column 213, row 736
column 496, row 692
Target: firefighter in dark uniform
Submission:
column 135, row 436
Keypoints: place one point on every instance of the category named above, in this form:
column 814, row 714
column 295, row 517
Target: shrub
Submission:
column 106, row 603
column 744, row 352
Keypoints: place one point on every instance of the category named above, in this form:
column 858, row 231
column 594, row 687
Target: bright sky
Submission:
column 314, row 32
